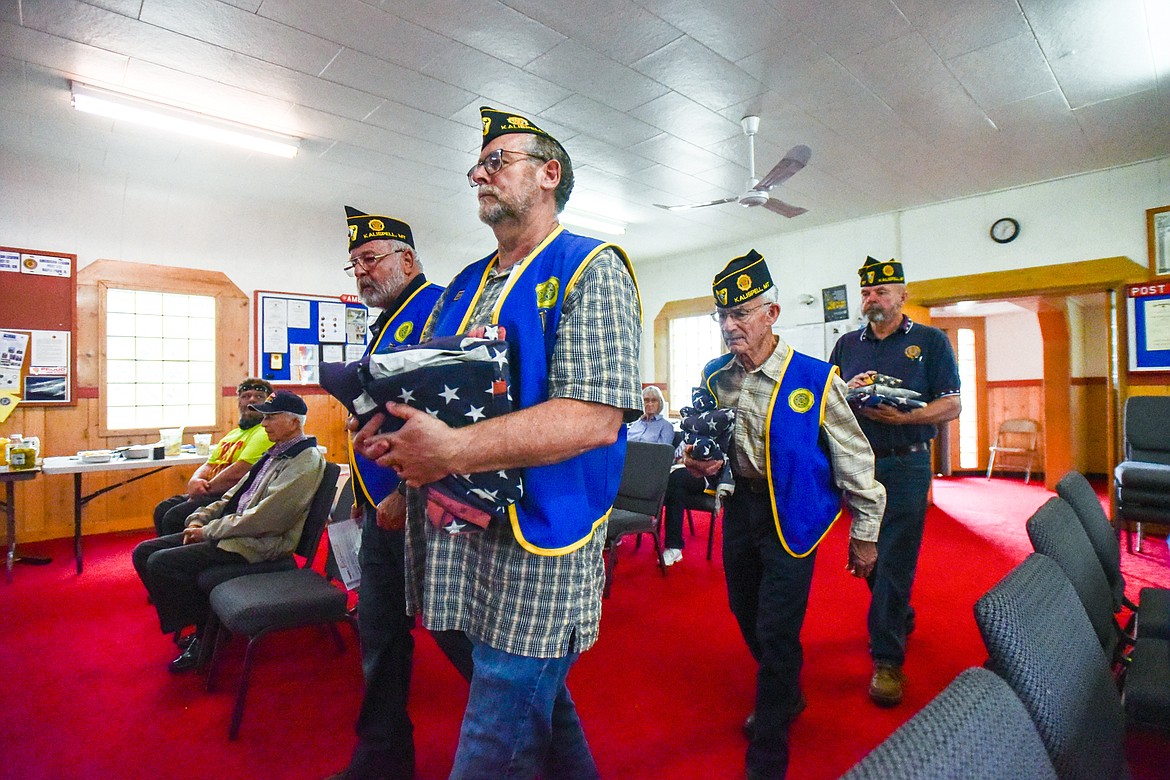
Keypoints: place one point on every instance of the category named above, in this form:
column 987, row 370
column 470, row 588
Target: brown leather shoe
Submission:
column 885, row 687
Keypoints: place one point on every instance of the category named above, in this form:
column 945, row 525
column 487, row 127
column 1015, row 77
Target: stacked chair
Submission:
column 1142, row 480
column 1063, row 679
column 637, row 509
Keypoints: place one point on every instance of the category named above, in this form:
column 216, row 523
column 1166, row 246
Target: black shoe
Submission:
column 188, row 661
column 749, row 724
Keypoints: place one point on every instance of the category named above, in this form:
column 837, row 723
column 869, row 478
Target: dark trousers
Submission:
column 768, row 592
column 170, row 516
column 907, row 482
column 385, row 747
column 169, row 570
column 681, row 486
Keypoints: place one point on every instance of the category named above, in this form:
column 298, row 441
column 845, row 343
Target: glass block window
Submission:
column 694, row 341
column 160, row 360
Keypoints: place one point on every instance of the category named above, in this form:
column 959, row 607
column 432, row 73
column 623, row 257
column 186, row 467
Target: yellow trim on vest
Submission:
column 521, row 267
column 353, row 469
column 553, row 552
column 768, row 463
column 625, row 261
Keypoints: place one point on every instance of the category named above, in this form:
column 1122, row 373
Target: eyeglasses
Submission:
column 368, row 262
column 495, row 161
column 735, row 315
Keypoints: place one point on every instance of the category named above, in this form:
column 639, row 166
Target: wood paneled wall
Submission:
column 45, row 504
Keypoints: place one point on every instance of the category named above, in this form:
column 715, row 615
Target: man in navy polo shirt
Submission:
column 894, row 348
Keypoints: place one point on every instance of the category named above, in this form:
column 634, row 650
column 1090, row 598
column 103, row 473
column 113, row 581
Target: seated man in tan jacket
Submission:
column 259, row 519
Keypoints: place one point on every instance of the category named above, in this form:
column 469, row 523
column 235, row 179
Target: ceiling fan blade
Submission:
column 797, row 158
column 685, row 206
column 785, row 209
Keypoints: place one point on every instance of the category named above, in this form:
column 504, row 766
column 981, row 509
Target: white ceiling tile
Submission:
column 674, row 152
column 204, row 94
column 905, row 66
column 606, row 156
column 845, row 27
column 804, row 76
column 616, row 28
column 732, row 30
column 1098, row 51
column 411, row 121
column 125, row 7
column 106, row 30
column 954, row 27
column 238, row 30
column 583, row 70
column 1133, row 127
column 361, row 27
column 1004, row 72
column 80, row 60
column 387, row 80
column 685, row 118
column 296, row 87
column 600, row 121
column 700, row 74
column 497, row 81
column 486, row 25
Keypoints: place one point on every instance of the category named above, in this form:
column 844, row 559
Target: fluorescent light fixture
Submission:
column 581, row 219
column 128, row 108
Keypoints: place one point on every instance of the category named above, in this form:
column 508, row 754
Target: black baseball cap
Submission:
column 282, row 401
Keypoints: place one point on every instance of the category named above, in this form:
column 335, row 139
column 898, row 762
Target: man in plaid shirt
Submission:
column 527, row 591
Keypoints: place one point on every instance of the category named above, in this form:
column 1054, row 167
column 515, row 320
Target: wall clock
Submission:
column 1005, row 230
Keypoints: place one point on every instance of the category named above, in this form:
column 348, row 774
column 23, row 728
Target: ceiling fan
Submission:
column 758, row 189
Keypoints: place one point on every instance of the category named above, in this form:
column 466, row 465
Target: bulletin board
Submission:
column 37, row 326
column 1148, row 313
column 295, row 333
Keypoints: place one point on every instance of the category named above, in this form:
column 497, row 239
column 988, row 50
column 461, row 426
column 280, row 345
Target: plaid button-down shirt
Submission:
column 851, row 459
column 485, row 583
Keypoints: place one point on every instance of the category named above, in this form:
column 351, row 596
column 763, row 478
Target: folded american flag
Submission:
column 708, row 428
column 458, row 379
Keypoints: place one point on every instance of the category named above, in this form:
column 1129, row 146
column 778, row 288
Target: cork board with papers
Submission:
column 37, row 327
column 295, row 333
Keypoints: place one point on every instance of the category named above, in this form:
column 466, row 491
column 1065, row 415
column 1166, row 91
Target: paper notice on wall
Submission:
column 298, row 314
column 355, row 326
column 332, row 353
column 1157, row 325
column 10, row 379
column 331, row 322
column 44, row 265
column 303, row 360
column 10, row 261
column 50, row 349
column 12, row 349
column 354, row 352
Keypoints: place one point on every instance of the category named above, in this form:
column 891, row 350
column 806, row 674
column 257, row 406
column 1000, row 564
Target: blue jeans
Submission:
column 520, row 721
column 907, row 481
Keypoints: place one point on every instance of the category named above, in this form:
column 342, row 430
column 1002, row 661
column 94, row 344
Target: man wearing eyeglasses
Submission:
column 527, row 591
column 383, row 260
column 797, row 453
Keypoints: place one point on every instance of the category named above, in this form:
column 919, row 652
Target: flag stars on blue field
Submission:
column 450, row 393
column 406, row 395
column 476, row 413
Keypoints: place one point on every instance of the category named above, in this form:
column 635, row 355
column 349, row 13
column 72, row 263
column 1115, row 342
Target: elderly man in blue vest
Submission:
column 527, row 591
column 797, row 453
column 389, row 275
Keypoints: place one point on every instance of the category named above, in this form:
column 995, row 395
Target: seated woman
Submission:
column 651, row 427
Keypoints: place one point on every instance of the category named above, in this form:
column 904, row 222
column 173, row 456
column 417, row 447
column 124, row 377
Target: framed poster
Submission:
column 1158, row 239
column 1148, row 314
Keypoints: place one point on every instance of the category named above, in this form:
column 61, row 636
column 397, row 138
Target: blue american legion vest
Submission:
column 805, row 501
column 563, row 502
column 403, row 327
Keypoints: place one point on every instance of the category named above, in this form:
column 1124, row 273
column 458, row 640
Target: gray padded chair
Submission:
column 1055, row 531
column 638, row 506
column 1147, row 684
column 1152, row 612
column 975, row 728
column 1040, row 641
column 256, row 605
column 1142, row 480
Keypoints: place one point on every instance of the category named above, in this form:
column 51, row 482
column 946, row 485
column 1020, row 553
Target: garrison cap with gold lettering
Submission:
column 369, row 227
column 874, row 272
column 744, row 278
column 497, row 123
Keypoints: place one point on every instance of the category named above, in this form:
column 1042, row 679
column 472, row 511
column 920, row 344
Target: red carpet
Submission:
column 84, row 691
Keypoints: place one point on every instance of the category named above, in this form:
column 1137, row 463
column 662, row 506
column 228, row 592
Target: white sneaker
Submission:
column 671, row 556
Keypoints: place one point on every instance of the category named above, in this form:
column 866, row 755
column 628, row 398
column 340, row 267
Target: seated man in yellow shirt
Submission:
column 227, row 465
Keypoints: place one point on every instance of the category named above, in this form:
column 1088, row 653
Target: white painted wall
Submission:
column 1015, row 349
column 1080, row 218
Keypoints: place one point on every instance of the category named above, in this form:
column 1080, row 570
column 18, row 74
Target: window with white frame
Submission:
column 160, row 360
column 694, row 341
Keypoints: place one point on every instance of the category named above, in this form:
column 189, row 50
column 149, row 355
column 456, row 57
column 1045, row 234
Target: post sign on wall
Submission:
column 1148, row 314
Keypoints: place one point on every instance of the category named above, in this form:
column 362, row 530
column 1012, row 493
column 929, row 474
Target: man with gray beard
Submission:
column 383, row 260
column 893, row 348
